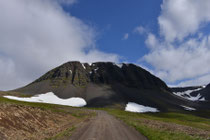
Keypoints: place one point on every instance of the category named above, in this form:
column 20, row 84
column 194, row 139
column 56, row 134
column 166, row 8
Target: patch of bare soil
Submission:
column 176, row 128
column 30, row 123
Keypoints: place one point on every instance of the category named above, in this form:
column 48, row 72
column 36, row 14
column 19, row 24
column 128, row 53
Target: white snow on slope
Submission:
column 96, row 69
column 83, row 66
column 89, row 63
column 202, row 99
column 133, row 107
column 188, row 108
column 186, row 95
column 118, row 64
column 51, row 98
column 204, row 86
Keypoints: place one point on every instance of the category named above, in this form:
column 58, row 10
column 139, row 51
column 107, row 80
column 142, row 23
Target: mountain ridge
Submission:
column 107, row 84
column 97, row 72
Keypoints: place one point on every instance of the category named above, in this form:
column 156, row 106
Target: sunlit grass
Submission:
column 161, row 132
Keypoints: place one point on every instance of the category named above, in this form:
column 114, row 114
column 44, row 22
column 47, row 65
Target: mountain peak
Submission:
column 105, row 84
column 80, row 74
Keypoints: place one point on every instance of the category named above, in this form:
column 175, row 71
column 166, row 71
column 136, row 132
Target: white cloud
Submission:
column 38, row 35
column 189, row 60
column 125, row 37
column 180, row 18
column 152, row 42
column 140, row 29
column 202, row 80
column 181, row 56
column 67, row 1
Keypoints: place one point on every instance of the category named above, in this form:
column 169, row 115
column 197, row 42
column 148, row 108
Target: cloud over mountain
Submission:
column 181, row 51
column 180, row 18
column 38, row 35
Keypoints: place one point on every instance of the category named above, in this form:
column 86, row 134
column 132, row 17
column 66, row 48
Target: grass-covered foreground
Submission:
column 53, row 122
column 38, row 120
column 166, row 126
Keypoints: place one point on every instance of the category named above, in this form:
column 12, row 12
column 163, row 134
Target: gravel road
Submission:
column 105, row 127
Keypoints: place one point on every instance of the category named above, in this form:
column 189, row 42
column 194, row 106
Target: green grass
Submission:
column 136, row 120
column 65, row 134
column 183, row 119
column 44, row 106
column 80, row 113
column 39, row 105
column 74, row 111
column 155, row 134
column 13, row 93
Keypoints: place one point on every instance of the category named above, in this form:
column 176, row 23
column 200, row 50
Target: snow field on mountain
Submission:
column 51, row 98
column 134, row 107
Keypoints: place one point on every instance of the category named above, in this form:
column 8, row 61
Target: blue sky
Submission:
column 169, row 38
column 113, row 19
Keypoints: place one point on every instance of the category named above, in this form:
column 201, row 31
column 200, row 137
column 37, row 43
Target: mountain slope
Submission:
column 201, row 93
column 35, row 121
column 107, row 84
column 186, row 92
column 204, row 93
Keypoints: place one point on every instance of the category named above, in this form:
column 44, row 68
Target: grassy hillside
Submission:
column 48, row 121
column 165, row 126
column 38, row 120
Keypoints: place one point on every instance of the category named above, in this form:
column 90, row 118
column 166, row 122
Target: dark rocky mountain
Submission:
column 183, row 89
column 204, row 92
column 107, row 84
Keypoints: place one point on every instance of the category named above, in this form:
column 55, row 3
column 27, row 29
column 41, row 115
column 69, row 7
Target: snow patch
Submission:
column 96, row 69
column 51, row 98
column 83, row 66
column 120, row 65
column 204, row 86
column 202, row 99
column 188, row 108
column 186, row 95
column 134, row 107
column 196, row 98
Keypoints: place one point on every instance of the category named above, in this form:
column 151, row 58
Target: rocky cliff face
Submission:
column 80, row 74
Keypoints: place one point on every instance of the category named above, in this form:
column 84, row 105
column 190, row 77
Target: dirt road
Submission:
column 105, row 127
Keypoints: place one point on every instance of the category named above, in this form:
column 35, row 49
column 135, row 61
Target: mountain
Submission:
column 204, row 92
column 199, row 93
column 186, row 92
column 109, row 84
